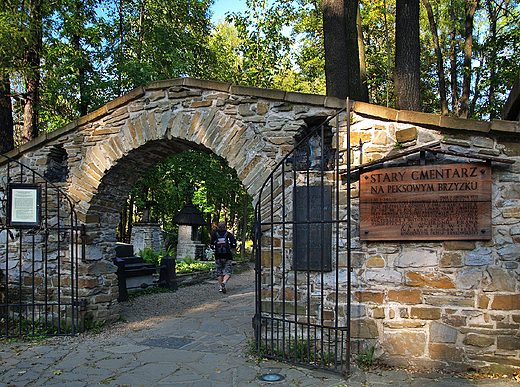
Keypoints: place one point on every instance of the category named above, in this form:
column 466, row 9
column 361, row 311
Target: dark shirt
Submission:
column 231, row 239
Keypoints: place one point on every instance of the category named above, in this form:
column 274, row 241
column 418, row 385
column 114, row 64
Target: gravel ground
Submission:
column 147, row 310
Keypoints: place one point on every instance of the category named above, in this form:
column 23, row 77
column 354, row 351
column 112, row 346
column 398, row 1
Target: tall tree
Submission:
column 6, row 114
column 438, row 56
column 471, row 7
column 32, row 56
column 407, row 55
column 10, row 39
column 362, row 59
column 336, row 49
column 352, row 43
column 263, row 46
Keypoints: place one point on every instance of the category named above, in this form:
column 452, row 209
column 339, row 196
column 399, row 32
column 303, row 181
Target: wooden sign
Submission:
column 432, row 202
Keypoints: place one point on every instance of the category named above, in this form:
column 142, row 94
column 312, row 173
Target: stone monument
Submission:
column 189, row 219
column 147, row 233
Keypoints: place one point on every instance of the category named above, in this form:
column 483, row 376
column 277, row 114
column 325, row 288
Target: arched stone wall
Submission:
column 452, row 304
column 109, row 149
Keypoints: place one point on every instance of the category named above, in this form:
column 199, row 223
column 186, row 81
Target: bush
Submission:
column 190, row 265
column 150, row 256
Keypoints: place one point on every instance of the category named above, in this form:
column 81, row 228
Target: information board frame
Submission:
column 24, row 205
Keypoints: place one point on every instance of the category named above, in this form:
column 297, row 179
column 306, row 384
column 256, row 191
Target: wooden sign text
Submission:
column 433, row 202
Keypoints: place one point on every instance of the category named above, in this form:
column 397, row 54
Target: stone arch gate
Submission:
column 451, row 304
column 98, row 158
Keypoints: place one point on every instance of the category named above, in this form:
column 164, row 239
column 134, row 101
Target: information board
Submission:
column 24, row 205
column 313, row 228
column 432, row 202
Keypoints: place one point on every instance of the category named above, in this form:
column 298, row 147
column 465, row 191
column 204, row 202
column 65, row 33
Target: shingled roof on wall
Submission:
column 190, row 216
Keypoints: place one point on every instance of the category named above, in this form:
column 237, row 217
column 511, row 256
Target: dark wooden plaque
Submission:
column 313, row 228
column 431, row 202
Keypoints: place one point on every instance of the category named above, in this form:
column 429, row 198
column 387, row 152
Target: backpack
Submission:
column 222, row 244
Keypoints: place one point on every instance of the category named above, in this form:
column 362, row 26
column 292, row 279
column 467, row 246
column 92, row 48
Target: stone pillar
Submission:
column 146, row 235
column 186, row 245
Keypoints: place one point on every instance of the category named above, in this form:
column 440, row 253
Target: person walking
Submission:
column 222, row 242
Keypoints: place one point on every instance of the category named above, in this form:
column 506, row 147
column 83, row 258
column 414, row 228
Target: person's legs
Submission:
column 226, row 270
column 219, row 271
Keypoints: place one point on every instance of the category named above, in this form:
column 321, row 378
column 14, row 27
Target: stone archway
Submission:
column 250, row 128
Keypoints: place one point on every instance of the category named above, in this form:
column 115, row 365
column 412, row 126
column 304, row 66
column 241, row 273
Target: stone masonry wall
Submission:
column 435, row 304
column 445, row 305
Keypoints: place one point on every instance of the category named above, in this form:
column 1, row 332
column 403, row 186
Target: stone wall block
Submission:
column 510, row 252
column 446, row 352
column 406, row 135
column 480, row 257
column 425, row 313
column 510, row 148
column 480, row 341
column 501, row 281
column 384, row 276
column 417, row 258
column 375, row 261
column 451, row 259
column 506, row 302
column 405, row 296
column 364, row 328
column 469, row 278
column 429, row 280
column 441, row 333
column 510, row 343
column 405, row 343
column 459, row 245
column 454, row 320
column 369, row 297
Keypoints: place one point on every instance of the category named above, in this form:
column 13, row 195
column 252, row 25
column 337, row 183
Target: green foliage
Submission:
column 93, row 326
column 190, row 265
column 264, row 48
column 150, row 256
column 365, row 361
column 203, row 177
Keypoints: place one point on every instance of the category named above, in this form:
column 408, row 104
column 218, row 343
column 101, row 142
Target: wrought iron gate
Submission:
column 302, row 241
column 41, row 243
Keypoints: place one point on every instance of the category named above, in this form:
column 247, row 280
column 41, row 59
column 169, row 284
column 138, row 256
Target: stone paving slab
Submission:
column 188, row 351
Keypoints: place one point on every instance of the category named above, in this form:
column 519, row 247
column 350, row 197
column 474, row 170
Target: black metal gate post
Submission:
column 39, row 255
column 302, row 261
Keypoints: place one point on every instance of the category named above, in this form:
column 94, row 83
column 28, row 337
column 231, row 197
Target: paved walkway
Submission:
column 205, row 347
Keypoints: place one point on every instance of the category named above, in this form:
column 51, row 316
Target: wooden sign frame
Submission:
column 429, row 202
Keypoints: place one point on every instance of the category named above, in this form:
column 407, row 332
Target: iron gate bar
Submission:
column 32, row 310
column 269, row 329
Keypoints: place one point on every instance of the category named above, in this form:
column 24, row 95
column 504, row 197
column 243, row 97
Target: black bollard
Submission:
column 121, row 279
column 168, row 275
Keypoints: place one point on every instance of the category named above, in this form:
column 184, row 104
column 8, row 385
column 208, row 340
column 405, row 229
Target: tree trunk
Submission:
column 438, row 54
column 493, row 16
column 334, row 41
column 6, row 115
column 407, row 55
column 141, row 30
column 32, row 72
column 362, row 60
column 471, row 7
column 453, row 64
column 352, row 41
column 83, row 98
